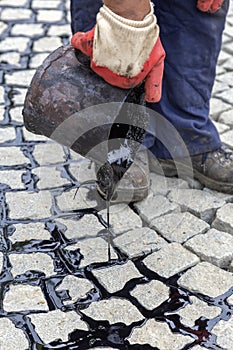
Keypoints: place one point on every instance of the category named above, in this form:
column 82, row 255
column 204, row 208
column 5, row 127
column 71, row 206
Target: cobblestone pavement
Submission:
column 169, row 284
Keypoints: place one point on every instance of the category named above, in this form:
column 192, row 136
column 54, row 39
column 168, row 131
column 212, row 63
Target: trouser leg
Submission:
column 192, row 41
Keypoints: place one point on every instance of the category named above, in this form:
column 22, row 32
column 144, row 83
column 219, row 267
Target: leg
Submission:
column 192, row 41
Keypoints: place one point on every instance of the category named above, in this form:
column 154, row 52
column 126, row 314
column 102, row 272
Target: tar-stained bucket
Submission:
column 69, row 103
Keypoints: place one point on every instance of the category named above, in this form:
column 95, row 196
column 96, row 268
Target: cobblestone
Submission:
column 196, row 309
column 114, row 278
column 77, row 287
column 114, row 310
column 19, row 44
column 36, row 261
column 170, row 260
column 11, row 14
column 159, row 335
column 224, row 219
column 56, row 325
column 28, row 29
column 21, row 78
column 139, row 242
column 207, row 279
column 179, row 227
column 200, row 203
column 213, row 246
column 11, row 338
column 150, row 208
column 223, row 330
column 151, row 295
column 47, row 44
column 26, row 297
column 49, row 16
column 27, row 232
column 10, row 58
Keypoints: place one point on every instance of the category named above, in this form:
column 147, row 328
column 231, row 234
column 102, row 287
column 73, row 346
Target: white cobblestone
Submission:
column 12, row 156
column 7, row 135
column 162, row 185
column 37, row 60
column 12, row 178
column 21, row 78
column 16, row 114
column 224, row 219
column 29, row 136
column 49, row 153
column 87, row 226
column 49, row 16
column 170, row 260
column 19, row 44
column 213, row 246
column 196, row 309
column 179, row 227
column 94, row 250
column 122, row 218
column 47, row 44
column 77, row 288
column 1, row 260
column 226, row 118
column 217, row 106
column 151, row 208
column 158, row 335
column 2, row 92
column 11, row 338
column 49, row 177
column 221, row 128
column 43, row 4
column 224, row 332
column 11, row 14
column 114, row 310
column 10, row 58
column 26, row 232
column 3, row 27
column 207, row 279
column 115, row 277
column 139, row 242
column 24, row 297
column 56, row 324
column 20, row 3
column 19, row 96
column 151, row 294
column 68, row 201
column 227, row 138
column 199, row 203
column 59, row 30
column 29, row 29
column 35, row 261
column 24, row 205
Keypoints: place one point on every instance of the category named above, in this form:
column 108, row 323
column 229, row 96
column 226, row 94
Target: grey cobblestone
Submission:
column 77, row 287
column 224, row 333
column 10, row 58
column 114, row 310
column 56, row 325
column 226, row 118
column 227, row 138
column 25, row 205
column 213, row 246
column 12, row 178
column 54, row 4
column 27, row 232
column 224, row 219
column 158, row 335
column 28, row 29
column 68, row 201
column 14, row 44
column 12, row 156
column 139, row 242
column 47, row 44
column 36, row 261
column 207, row 279
column 11, row 338
column 196, row 309
column 21, row 78
column 200, row 203
column 179, row 227
column 153, row 207
column 170, row 260
column 151, row 295
column 114, row 278
column 24, row 297
column 13, row 14
column 49, row 16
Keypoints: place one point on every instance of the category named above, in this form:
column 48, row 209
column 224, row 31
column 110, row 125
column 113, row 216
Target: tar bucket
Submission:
column 69, row 103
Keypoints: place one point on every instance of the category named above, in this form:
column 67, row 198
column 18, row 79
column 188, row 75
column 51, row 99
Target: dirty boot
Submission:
column 212, row 169
column 134, row 185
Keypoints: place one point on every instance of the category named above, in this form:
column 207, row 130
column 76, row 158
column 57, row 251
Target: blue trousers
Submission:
column 192, row 41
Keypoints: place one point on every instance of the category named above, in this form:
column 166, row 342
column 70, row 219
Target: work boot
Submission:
column 212, row 169
column 134, row 185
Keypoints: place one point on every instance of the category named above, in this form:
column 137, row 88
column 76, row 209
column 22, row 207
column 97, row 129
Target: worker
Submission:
column 173, row 46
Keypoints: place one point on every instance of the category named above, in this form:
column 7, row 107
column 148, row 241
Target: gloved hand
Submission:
column 125, row 52
column 210, row 6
